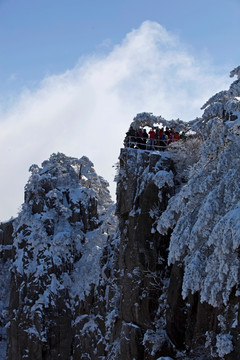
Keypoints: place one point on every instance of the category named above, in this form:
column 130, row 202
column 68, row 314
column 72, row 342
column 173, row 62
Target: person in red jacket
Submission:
column 152, row 137
column 176, row 136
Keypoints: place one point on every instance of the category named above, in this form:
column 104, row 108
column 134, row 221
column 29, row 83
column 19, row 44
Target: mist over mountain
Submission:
column 154, row 276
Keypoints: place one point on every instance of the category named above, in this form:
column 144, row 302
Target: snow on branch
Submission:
column 221, row 96
column 235, row 71
column 234, row 89
column 150, row 120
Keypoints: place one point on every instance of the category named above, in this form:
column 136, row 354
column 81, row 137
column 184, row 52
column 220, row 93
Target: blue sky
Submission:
column 45, row 37
column 73, row 68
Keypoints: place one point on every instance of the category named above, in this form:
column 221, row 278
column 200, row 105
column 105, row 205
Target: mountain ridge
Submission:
column 154, row 276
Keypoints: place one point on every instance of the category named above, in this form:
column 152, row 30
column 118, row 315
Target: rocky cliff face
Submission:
column 6, row 241
column 154, row 277
column 146, row 182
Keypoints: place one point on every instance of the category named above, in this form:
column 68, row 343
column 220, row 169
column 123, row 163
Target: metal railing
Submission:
column 141, row 143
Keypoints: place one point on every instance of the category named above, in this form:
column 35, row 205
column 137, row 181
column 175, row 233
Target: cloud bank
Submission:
column 88, row 109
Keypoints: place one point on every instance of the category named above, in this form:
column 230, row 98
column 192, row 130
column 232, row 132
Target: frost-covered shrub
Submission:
column 185, row 154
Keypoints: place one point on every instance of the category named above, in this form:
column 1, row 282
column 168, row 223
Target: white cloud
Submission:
column 87, row 110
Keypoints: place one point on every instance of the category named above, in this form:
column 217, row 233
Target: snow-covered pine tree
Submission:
column 205, row 214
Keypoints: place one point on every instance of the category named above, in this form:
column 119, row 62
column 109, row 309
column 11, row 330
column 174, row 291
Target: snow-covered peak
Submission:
column 64, row 199
column 76, row 176
column 59, row 236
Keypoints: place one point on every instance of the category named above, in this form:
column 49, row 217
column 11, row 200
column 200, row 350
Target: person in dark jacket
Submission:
column 130, row 137
column 139, row 139
column 145, row 137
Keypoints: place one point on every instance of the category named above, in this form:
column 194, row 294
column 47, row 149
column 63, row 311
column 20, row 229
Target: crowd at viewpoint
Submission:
column 155, row 139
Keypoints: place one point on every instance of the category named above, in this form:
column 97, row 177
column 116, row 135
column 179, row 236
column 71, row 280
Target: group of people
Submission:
column 155, row 139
